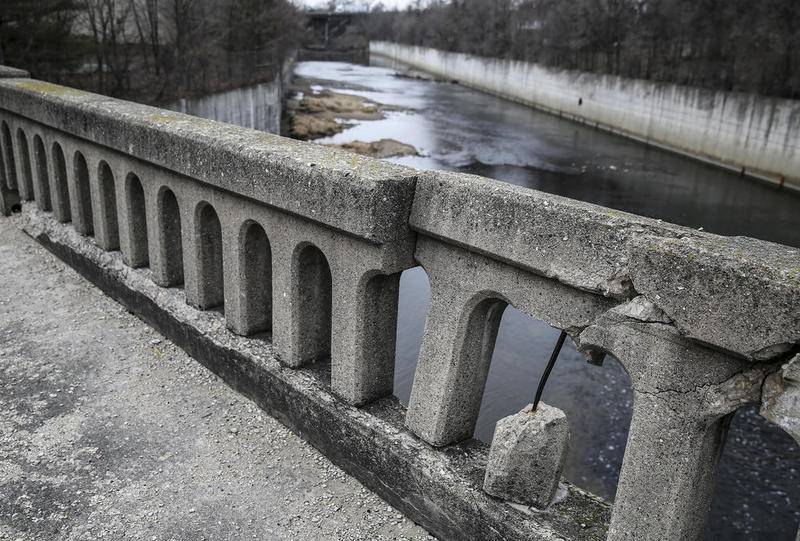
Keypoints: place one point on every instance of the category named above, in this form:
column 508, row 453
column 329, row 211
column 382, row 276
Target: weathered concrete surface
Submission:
column 734, row 293
column 109, row 431
column 7, row 72
column 577, row 243
column 440, row 490
column 527, row 456
column 736, row 130
column 365, row 197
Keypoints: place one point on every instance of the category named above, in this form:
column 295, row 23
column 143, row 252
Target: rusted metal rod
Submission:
column 549, row 368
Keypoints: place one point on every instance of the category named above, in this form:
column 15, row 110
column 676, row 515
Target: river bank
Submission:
column 750, row 134
column 316, row 111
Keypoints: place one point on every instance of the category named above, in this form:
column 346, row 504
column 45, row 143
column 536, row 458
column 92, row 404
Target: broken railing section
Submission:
column 307, row 243
column 716, row 316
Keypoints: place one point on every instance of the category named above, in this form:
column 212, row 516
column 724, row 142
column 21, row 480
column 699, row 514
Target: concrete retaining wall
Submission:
column 302, row 246
column 741, row 131
column 258, row 106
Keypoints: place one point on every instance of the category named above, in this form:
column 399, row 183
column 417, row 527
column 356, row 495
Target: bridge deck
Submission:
column 107, row 430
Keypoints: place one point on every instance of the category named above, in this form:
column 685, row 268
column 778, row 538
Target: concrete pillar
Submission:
column 167, row 245
column 104, row 200
column 190, row 250
column 683, row 397
column 364, row 335
column 133, row 228
column 156, row 251
column 282, row 300
column 24, row 161
column 10, row 168
column 302, row 306
column 454, row 358
column 668, row 472
column 234, row 287
column 41, row 174
column 59, row 187
column 248, row 278
column 202, row 255
column 80, row 193
column 8, row 196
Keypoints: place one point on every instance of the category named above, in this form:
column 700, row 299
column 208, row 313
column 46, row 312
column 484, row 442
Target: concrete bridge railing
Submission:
column 308, row 243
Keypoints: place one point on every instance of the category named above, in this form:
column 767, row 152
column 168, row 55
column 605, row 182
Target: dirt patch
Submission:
column 385, row 148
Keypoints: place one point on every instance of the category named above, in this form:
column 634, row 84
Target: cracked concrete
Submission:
column 110, row 431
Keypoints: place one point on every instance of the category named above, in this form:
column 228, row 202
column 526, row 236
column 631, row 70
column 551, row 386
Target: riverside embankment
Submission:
column 756, row 135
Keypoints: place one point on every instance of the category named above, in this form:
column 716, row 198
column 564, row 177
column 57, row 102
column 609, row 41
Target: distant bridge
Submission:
column 334, row 36
column 303, row 246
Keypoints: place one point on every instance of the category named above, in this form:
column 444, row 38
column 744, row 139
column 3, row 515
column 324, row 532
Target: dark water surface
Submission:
column 456, row 128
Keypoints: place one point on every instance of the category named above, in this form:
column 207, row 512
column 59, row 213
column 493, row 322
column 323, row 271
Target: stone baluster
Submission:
column 454, row 359
column 202, row 232
column 6, row 196
column 190, row 250
column 104, row 186
column 59, row 187
column 683, row 397
column 41, row 173
column 282, row 312
column 24, row 161
column 235, row 304
column 363, row 337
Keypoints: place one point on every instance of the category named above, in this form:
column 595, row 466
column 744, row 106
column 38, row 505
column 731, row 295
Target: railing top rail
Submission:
column 367, row 198
column 734, row 293
column 7, row 72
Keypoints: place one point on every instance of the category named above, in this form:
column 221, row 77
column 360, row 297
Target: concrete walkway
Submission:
column 109, row 431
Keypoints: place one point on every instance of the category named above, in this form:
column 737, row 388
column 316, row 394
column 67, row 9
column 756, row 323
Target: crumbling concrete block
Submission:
column 527, row 456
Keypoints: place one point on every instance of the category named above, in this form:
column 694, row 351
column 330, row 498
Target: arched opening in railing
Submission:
column 25, row 163
column 597, row 400
column 412, row 312
column 138, row 248
column 107, row 192
column 312, row 298
column 477, row 335
column 42, row 176
column 211, row 287
column 171, row 240
column 255, row 263
column 61, row 204
column 8, row 153
column 84, row 221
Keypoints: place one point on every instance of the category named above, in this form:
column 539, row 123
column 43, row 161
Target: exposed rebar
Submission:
column 548, row 369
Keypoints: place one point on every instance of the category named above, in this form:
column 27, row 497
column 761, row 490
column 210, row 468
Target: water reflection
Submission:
column 456, row 128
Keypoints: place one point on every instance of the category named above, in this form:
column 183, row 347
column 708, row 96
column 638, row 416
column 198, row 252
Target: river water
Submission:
column 455, row 128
